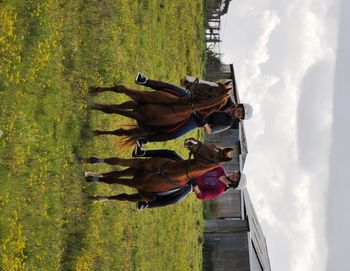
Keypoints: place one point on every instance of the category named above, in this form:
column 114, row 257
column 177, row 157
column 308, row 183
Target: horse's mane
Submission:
column 217, row 105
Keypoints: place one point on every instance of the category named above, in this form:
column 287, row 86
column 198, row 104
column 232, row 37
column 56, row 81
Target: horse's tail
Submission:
column 131, row 135
column 129, row 141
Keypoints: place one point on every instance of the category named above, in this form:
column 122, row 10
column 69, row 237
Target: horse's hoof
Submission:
column 91, row 179
column 92, row 174
column 83, row 160
column 90, row 160
column 96, row 132
column 97, row 198
column 93, row 91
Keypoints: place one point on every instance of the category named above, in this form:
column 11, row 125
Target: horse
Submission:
column 154, row 175
column 159, row 111
column 159, row 108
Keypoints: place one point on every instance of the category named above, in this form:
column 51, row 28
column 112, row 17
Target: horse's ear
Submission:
column 226, row 87
column 228, row 154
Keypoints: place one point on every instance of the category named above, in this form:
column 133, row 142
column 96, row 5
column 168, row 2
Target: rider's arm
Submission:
column 207, row 128
column 218, row 122
column 206, row 194
column 198, row 192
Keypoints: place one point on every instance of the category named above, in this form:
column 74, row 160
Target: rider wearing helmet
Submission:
column 208, row 186
column 215, row 182
column 227, row 117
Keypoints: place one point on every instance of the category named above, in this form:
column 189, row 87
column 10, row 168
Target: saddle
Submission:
column 162, row 199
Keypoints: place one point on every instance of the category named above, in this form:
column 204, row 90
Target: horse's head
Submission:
column 206, row 89
column 208, row 153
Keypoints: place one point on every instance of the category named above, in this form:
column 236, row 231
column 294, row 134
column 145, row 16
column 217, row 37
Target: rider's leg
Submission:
column 187, row 127
column 158, row 85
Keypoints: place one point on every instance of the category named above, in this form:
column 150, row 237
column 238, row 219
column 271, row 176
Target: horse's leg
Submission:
column 120, row 132
column 128, row 182
column 110, row 161
column 119, row 173
column 132, row 163
column 146, row 96
column 126, row 197
column 109, row 177
column 95, row 90
column 125, row 105
column 121, row 197
column 136, row 95
column 114, row 109
column 144, row 196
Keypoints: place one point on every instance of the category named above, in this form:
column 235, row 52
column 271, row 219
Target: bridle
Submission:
column 191, row 94
column 190, row 89
column 201, row 157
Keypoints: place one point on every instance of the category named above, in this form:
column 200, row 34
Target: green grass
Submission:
column 50, row 52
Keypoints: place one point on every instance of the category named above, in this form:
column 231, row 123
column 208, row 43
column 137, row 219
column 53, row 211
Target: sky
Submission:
column 291, row 60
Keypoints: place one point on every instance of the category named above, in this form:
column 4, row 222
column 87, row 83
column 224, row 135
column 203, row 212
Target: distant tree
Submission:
column 213, row 57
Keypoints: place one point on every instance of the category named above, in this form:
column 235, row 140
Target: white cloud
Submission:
column 273, row 49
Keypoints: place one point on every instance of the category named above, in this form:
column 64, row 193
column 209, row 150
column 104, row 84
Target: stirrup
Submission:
column 138, row 152
column 140, row 79
column 140, row 205
column 141, row 141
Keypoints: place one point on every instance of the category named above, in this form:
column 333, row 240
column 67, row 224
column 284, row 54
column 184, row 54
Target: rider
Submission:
column 228, row 116
column 208, row 186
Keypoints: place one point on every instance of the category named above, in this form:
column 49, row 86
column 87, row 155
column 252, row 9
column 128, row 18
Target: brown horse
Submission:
column 159, row 108
column 153, row 175
column 162, row 106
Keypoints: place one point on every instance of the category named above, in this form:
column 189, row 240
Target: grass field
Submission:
column 50, row 52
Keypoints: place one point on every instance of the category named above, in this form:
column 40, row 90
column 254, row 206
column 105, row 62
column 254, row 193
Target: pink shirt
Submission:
column 210, row 185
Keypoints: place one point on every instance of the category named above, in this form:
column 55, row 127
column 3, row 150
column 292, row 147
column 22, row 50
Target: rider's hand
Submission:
column 207, row 128
column 192, row 181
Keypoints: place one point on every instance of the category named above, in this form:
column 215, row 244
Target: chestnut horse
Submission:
column 153, row 175
column 157, row 112
column 158, row 108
